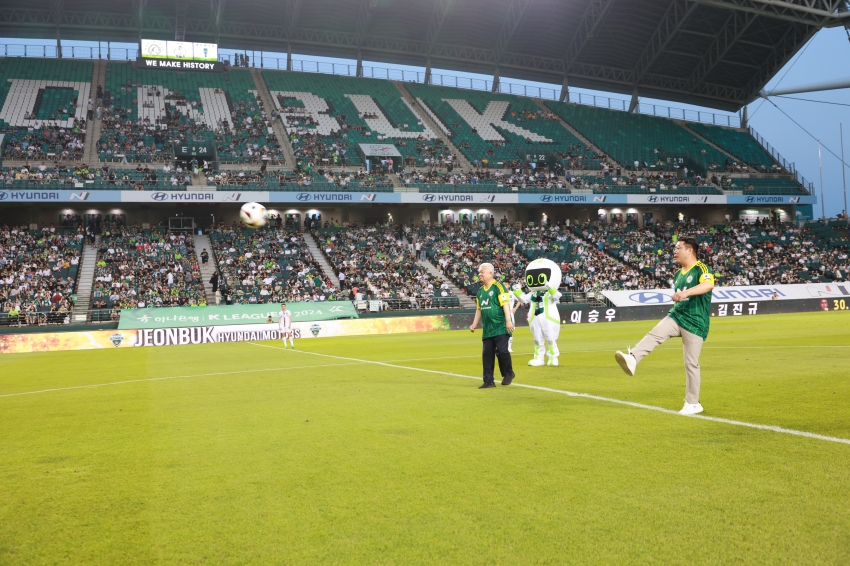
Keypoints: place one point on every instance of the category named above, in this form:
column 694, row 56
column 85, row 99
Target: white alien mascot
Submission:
column 542, row 277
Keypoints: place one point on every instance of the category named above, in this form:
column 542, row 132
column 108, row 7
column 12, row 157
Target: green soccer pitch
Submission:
column 251, row 454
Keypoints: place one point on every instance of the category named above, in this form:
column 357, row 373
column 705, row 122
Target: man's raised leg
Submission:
column 665, row 329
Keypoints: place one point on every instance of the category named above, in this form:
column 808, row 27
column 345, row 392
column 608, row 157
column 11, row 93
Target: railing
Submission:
column 31, row 319
column 107, row 52
column 788, row 166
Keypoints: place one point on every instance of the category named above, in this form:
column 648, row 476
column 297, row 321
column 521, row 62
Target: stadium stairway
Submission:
column 203, row 242
column 320, row 258
column 574, row 132
column 269, row 106
column 466, row 302
column 428, row 120
column 85, row 281
column 90, row 155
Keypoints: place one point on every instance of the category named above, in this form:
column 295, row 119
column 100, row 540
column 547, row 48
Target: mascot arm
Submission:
column 555, row 295
column 524, row 298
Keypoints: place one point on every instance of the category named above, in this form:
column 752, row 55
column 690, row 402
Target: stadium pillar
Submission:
column 288, row 56
column 495, row 81
column 359, row 71
column 744, row 118
column 634, row 103
column 428, row 71
column 565, row 90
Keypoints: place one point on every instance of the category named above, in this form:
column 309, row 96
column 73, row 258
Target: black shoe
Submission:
column 487, row 385
column 508, row 380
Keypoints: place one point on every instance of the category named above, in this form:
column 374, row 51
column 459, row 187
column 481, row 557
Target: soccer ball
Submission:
column 253, row 215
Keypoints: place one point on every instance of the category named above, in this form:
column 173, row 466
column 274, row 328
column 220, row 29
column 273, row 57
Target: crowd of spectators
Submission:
column 244, row 138
column 378, row 263
column 43, row 141
column 457, row 250
column 139, row 268
column 515, row 178
column 271, row 265
column 38, row 271
column 644, row 181
column 737, row 253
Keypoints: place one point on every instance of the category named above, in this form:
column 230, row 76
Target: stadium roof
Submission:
column 714, row 53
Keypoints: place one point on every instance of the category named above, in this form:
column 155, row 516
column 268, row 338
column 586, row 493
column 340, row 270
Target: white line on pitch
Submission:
column 171, row 377
column 593, row 397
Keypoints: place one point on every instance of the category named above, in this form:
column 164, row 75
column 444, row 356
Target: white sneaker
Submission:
column 627, row 361
column 535, row 362
column 691, row 409
column 552, row 362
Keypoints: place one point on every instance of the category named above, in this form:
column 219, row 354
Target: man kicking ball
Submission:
column 689, row 319
column 284, row 322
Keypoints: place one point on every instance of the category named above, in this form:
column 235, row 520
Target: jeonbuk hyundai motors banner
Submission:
column 228, row 315
column 750, row 293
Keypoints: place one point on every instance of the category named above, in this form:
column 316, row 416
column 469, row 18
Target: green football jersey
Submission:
column 490, row 302
column 694, row 313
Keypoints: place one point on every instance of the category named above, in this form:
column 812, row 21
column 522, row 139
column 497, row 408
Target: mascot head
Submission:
column 542, row 275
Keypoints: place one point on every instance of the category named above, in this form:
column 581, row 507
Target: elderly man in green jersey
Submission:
column 688, row 319
column 494, row 312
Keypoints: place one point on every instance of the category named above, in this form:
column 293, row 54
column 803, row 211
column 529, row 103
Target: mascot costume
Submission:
column 542, row 277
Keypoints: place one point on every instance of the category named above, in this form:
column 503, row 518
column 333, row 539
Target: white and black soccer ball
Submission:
column 253, row 215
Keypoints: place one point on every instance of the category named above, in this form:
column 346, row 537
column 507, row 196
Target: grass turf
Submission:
column 305, row 459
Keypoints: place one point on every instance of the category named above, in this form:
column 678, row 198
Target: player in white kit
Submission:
column 514, row 304
column 285, row 324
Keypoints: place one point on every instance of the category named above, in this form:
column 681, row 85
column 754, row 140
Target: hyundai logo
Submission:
column 650, row 298
column 429, row 198
column 4, row 196
column 652, row 199
column 303, row 196
column 546, row 198
column 751, row 199
column 159, row 196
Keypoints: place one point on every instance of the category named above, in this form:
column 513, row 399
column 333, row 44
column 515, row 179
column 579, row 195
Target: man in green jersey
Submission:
column 494, row 312
column 688, row 318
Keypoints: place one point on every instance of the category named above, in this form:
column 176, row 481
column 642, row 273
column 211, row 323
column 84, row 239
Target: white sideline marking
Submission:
column 593, row 397
column 169, row 377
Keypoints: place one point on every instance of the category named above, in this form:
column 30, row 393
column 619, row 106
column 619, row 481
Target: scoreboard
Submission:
column 178, row 55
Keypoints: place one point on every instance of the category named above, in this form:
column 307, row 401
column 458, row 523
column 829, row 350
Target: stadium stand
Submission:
column 145, row 111
column 59, row 175
column 38, row 274
column 43, row 107
column 742, row 145
column 763, row 186
column 375, row 263
column 738, row 254
column 138, row 268
column 585, row 267
column 655, row 143
column 327, row 116
column 491, row 129
column 638, row 183
column 458, row 250
column 479, row 181
column 270, row 265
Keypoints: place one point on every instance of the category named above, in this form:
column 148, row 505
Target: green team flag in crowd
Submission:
column 226, row 315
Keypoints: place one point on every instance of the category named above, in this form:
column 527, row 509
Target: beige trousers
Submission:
column 691, row 343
